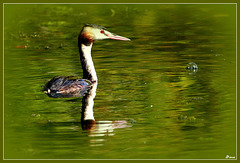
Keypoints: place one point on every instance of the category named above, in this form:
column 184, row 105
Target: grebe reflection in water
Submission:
column 98, row 128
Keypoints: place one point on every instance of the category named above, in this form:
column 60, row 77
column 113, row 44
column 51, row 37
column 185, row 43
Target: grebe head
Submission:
column 92, row 32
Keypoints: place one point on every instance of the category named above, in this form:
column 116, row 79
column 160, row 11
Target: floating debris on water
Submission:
column 22, row 47
column 47, row 47
column 62, row 45
column 187, row 118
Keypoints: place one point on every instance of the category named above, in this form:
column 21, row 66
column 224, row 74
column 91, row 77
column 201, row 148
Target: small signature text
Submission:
column 230, row 157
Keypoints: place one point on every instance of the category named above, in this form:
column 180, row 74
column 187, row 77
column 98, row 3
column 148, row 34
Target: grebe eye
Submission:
column 102, row 31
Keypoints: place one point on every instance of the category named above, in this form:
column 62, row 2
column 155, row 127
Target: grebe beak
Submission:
column 117, row 37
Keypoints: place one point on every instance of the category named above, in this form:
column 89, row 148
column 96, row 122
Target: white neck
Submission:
column 87, row 63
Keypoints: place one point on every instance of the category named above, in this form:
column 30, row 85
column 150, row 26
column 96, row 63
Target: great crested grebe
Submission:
column 75, row 87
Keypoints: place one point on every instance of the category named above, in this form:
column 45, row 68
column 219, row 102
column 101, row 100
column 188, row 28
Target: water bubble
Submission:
column 192, row 66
